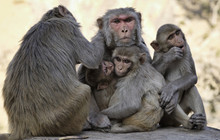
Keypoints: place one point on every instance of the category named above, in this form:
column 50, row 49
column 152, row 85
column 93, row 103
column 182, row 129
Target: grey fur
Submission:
column 180, row 93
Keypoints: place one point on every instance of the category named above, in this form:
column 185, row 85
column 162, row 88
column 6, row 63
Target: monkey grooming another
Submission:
column 172, row 58
column 135, row 102
column 118, row 27
column 42, row 95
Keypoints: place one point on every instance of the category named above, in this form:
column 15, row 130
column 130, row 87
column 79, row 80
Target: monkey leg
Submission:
column 120, row 128
column 177, row 117
column 96, row 119
column 192, row 102
column 148, row 117
column 78, row 118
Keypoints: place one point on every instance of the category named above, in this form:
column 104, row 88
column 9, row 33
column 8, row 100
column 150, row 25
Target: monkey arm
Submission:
column 123, row 104
column 185, row 82
column 93, row 51
column 162, row 61
column 177, row 86
column 121, row 110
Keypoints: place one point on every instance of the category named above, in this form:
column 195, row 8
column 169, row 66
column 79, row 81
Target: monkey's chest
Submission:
column 173, row 73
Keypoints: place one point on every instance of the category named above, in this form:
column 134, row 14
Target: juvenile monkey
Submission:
column 42, row 95
column 172, row 57
column 135, row 102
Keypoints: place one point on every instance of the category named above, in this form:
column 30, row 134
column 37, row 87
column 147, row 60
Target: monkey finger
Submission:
column 162, row 104
column 199, row 120
column 164, row 101
column 169, row 109
column 198, row 116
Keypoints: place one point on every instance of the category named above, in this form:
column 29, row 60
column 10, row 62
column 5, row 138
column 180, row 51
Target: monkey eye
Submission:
column 116, row 20
column 177, row 32
column 126, row 61
column 128, row 19
column 171, row 37
column 118, row 59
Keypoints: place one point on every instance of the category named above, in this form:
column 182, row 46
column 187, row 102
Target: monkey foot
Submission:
column 198, row 121
column 99, row 121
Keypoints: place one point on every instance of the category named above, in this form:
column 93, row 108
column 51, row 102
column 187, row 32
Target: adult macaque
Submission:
column 135, row 102
column 173, row 59
column 118, row 27
column 42, row 95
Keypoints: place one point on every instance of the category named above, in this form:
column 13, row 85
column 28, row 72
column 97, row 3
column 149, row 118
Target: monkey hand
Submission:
column 167, row 94
column 198, row 120
column 99, row 120
column 172, row 104
column 175, row 53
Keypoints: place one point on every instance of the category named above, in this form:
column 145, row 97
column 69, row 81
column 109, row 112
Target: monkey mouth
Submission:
column 125, row 39
column 182, row 47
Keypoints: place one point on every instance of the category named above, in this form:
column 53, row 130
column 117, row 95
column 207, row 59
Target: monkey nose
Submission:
column 124, row 30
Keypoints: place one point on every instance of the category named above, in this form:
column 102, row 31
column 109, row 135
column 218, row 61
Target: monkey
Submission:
column 117, row 27
column 102, row 82
column 179, row 97
column 42, row 94
column 135, row 102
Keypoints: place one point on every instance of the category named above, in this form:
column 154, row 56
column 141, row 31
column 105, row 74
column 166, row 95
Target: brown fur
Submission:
column 42, row 95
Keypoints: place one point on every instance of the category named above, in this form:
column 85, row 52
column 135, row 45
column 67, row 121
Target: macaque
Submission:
column 135, row 102
column 117, row 28
column 102, row 82
column 179, row 96
column 42, row 94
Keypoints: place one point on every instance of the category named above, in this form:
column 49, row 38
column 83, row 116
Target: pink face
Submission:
column 122, row 65
column 123, row 25
column 107, row 67
column 176, row 39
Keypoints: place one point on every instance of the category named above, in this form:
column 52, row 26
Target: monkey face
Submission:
column 122, row 65
column 122, row 27
column 176, row 39
column 107, row 67
column 173, row 37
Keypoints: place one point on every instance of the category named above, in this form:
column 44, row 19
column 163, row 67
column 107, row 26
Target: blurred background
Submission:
column 199, row 20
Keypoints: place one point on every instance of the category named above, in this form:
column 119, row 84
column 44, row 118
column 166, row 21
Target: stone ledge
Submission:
column 169, row 133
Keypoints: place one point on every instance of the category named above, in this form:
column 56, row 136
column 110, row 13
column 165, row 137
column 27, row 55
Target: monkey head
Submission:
column 58, row 12
column 127, row 60
column 100, row 78
column 121, row 27
column 169, row 36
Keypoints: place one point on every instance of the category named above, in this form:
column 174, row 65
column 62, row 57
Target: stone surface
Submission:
column 159, row 134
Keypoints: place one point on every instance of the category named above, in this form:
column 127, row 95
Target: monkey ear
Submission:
column 102, row 85
column 100, row 22
column 139, row 16
column 62, row 10
column 155, row 45
column 142, row 58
